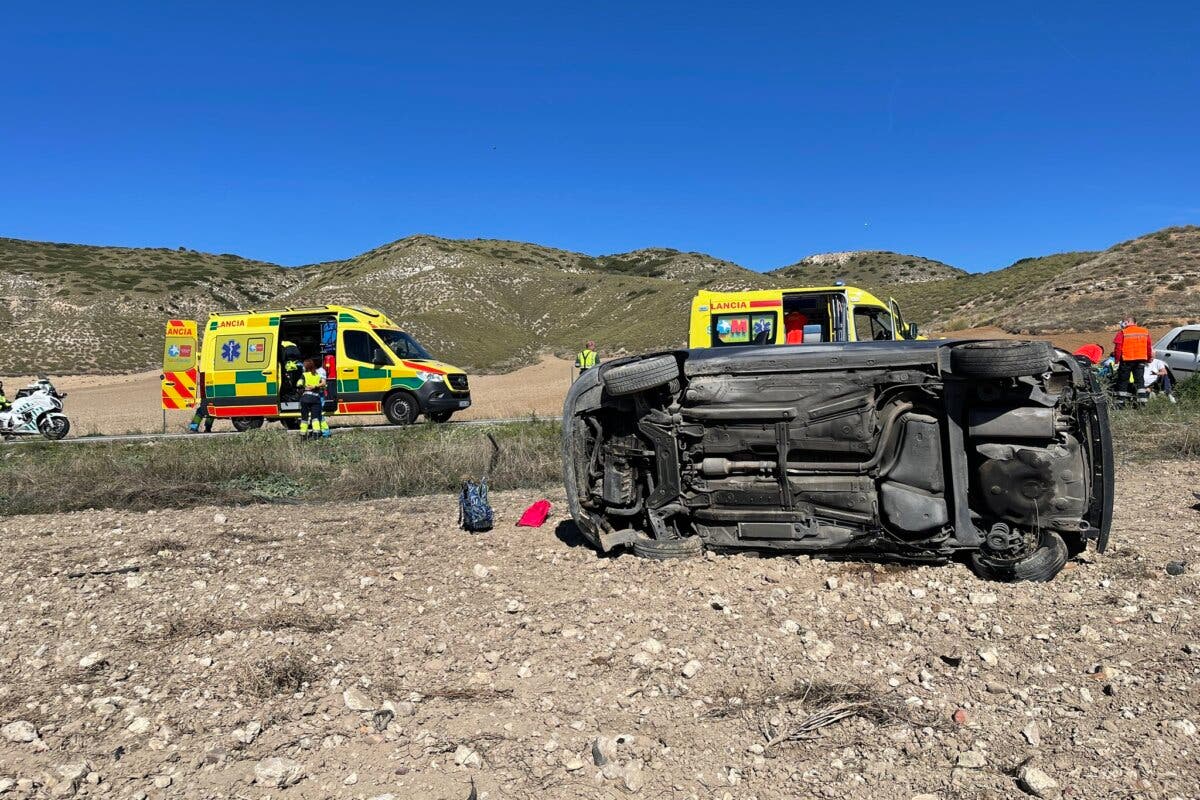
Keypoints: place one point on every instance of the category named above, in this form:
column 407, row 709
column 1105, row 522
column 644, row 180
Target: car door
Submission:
column 900, row 328
column 364, row 372
column 1180, row 354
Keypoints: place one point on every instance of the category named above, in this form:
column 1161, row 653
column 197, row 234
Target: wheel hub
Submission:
column 1006, row 542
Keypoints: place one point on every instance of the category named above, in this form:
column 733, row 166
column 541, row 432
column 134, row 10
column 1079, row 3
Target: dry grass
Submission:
column 188, row 625
column 155, row 546
column 272, row 467
column 1161, row 430
column 284, row 674
column 468, row 694
column 798, row 711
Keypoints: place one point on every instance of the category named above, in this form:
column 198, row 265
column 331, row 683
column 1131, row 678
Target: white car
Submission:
column 1178, row 350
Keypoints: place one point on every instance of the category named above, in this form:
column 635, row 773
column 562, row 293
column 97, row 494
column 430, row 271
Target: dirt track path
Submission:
column 512, row 652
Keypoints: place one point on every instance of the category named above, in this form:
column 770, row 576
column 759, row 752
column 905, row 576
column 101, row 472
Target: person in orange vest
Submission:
column 1132, row 349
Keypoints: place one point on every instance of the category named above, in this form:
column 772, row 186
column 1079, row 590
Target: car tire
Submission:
column 668, row 549
column 1001, row 359
column 638, row 376
column 1040, row 566
column 243, row 424
column 439, row 416
column 401, row 409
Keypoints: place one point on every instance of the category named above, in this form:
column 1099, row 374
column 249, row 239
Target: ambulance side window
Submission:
column 359, row 346
column 872, row 324
column 732, row 329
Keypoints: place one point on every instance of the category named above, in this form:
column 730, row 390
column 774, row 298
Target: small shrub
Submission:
column 286, row 674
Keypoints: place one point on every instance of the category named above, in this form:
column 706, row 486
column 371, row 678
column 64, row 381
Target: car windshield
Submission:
column 402, row 344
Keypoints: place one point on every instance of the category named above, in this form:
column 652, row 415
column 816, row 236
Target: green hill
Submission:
column 490, row 304
column 483, row 303
column 874, row 270
column 70, row 308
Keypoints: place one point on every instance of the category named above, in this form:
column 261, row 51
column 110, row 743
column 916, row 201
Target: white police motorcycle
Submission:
column 37, row 409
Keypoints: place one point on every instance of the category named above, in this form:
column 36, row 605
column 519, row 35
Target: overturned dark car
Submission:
column 920, row 451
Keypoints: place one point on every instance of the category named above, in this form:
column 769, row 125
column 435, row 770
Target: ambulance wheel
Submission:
column 401, row 409
column 291, row 424
column 243, row 424
column 440, row 416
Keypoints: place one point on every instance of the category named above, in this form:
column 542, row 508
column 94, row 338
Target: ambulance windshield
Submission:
column 402, row 344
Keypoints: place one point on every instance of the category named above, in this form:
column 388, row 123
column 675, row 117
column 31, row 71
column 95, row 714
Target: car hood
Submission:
column 432, row 365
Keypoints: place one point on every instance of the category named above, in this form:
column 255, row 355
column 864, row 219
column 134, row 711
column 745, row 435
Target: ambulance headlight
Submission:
column 432, row 377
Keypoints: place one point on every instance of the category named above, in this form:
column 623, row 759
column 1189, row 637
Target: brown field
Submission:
column 116, row 404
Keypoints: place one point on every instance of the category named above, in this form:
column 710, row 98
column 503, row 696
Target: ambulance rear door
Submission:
column 244, row 379
column 179, row 381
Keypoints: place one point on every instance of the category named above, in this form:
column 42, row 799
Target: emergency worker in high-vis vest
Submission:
column 293, row 368
column 312, row 402
column 586, row 358
column 1132, row 349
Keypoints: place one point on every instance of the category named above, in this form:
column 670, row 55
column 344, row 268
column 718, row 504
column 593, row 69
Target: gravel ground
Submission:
column 373, row 650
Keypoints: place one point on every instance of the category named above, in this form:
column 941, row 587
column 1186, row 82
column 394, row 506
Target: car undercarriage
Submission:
column 997, row 451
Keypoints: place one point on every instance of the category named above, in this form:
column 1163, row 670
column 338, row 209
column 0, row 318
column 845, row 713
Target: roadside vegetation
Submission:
column 271, row 466
column 1162, row 430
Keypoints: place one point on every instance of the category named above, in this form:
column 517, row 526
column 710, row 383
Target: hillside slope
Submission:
column 476, row 303
column 874, row 270
column 491, row 304
column 69, row 308
column 1156, row 277
column 487, row 303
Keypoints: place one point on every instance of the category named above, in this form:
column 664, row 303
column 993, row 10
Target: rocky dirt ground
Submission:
column 374, row 651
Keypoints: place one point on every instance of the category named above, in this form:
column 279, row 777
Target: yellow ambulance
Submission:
column 372, row 366
column 794, row 316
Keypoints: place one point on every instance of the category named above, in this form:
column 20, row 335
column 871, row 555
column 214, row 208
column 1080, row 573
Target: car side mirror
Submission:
column 378, row 359
column 912, row 331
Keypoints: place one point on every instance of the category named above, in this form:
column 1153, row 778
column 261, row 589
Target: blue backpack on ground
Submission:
column 474, row 513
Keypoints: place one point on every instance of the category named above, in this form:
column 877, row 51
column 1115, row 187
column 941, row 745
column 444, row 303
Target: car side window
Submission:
column 359, row 346
column 1185, row 342
column 872, row 325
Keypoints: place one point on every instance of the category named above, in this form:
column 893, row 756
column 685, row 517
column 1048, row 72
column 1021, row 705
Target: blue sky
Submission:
column 758, row 132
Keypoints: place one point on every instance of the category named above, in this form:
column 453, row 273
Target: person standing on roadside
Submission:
column 1132, row 350
column 201, row 415
column 586, row 358
column 312, row 402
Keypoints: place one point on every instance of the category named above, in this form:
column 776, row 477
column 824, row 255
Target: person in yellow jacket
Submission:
column 312, row 401
column 586, row 358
